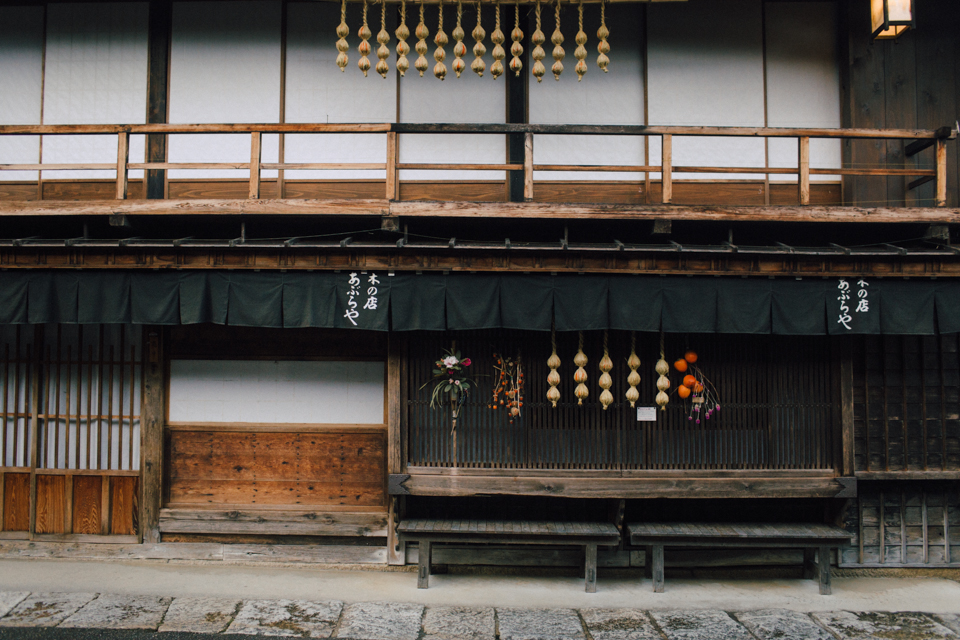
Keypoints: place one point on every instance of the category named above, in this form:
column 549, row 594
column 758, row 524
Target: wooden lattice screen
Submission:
column 70, row 431
column 779, row 404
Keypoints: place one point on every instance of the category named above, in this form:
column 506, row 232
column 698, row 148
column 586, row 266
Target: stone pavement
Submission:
column 405, row 621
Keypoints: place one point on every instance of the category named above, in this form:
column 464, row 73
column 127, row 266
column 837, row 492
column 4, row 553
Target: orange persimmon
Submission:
column 689, row 381
column 683, row 392
column 680, row 365
column 690, row 356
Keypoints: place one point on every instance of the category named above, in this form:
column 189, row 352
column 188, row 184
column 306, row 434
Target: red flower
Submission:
column 465, row 362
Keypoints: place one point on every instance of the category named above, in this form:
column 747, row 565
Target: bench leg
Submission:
column 423, row 565
column 809, row 565
column 590, row 568
column 824, row 570
column 648, row 563
column 658, row 568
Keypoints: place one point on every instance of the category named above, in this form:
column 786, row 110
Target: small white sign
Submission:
column 646, row 414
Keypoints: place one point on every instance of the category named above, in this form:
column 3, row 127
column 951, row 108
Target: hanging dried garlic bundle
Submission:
column 364, row 47
column 459, row 49
column 516, row 49
column 603, row 33
column 402, row 33
column 422, row 34
column 383, row 38
column 605, row 382
column 581, row 52
column 440, row 69
column 553, row 378
column 558, row 53
column 497, row 38
column 634, row 378
column 580, row 375
column 538, row 53
column 663, row 382
column 479, row 34
column 342, row 32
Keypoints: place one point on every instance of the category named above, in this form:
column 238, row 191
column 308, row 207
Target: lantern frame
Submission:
column 890, row 29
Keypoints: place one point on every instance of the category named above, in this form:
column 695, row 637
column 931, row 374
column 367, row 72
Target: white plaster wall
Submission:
column 467, row 99
column 276, row 391
column 615, row 97
column 96, row 73
column 317, row 91
column 224, row 68
column 705, row 68
column 803, row 81
column 21, row 64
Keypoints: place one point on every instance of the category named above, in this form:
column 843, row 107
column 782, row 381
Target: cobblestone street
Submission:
column 402, row 621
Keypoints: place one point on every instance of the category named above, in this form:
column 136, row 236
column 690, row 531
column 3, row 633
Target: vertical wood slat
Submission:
column 804, row 170
column 666, row 170
column 2, row 490
column 123, row 158
column 68, row 504
column 528, row 167
column 396, row 553
column 151, row 435
column 133, row 380
column 33, row 440
column 941, row 182
column 255, row 154
column 393, row 175
column 106, row 498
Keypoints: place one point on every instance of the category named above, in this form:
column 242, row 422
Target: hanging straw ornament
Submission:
column 538, row 53
column 553, row 378
column 422, row 34
column 383, row 38
column 633, row 379
column 440, row 69
column 605, row 382
column 663, row 382
column 581, row 52
column 364, row 47
column 580, row 375
column 478, row 34
column 603, row 33
column 459, row 49
column 497, row 38
column 402, row 33
column 342, row 32
column 516, row 49
column 558, row 53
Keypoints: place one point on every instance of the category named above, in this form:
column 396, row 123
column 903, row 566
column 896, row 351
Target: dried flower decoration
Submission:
column 450, row 382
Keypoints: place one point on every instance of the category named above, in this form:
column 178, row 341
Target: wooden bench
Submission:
column 588, row 535
column 809, row 537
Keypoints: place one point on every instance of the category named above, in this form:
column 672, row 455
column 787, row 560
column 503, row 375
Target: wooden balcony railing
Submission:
column 920, row 140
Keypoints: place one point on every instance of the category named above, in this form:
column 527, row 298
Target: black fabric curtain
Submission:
column 378, row 301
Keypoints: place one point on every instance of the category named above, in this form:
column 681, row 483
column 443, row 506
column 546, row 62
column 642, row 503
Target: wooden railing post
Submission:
column 941, row 172
column 255, row 139
column 393, row 183
column 528, row 167
column 123, row 157
column 666, row 169
column 803, row 163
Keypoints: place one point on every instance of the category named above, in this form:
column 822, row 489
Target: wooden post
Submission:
column 823, row 566
column 941, row 172
column 159, row 28
column 1, row 486
column 34, row 419
column 658, row 568
column 590, row 568
column 68, row 504
column 423, row 565
column 106, row 497
column 804, row 170
column 255, row 165
column 666, row 170
column 393, row 182
column 396, row 552
column 846, row 409
column 809, row 563
column 151, row 435
column 528, row 167
column 123, row 157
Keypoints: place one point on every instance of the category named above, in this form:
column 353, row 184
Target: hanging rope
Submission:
column 603, row 33
column 459, row 49
column 557, row 40
column 342, row 32
column 402, row 34
column 364, row 47
column 478, row 34
column 497, row 38
column 422, row 34
column 538, row 53
column 440, row 69
column 581, row 52
column 383, row 38
column 516, row 49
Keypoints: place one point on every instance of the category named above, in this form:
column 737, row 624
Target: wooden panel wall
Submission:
column 320, row 469
column 909, row 83
column 907, row 403
column 915, row 524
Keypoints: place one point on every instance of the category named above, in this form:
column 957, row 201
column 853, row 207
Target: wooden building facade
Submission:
column 228, row 271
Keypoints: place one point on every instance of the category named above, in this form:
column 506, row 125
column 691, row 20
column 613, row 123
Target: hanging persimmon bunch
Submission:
column 633, row 379
column 538, row 54
column 606, row 381
column 459, row 49
column 478, row 34
column 580, row 375
column 440, row 69
column 342, row 32
column 553, row 378
column 383, row 38
column 516, row 49
column 581, row 51
column 422, row 34
column 558, row 53
column 402, row 34
column 704, row 398
column 364, row 46
column 603, row 33
column 508, row 390
column 497, row 38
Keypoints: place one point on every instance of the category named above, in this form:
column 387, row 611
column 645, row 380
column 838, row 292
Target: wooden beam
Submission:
column 666, row 172
column 392, row 168
column 804, row 167
column 628, row 488
column 941, row 198
column 123, row 157
column 255, row 154
column 528, row 167
column 151, row 435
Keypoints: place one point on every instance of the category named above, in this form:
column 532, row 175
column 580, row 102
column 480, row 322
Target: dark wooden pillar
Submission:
column 396, row 552
column 151, row 435
column 158, row 74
